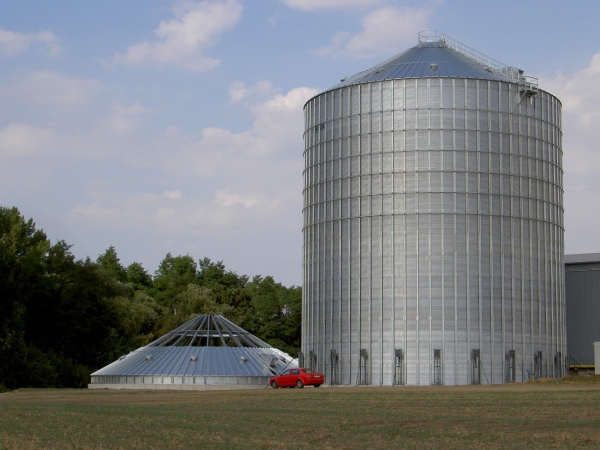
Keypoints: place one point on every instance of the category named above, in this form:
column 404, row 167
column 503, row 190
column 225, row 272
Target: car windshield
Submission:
column 308, row 371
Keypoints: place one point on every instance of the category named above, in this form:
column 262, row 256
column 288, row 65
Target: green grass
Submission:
column 532, row 415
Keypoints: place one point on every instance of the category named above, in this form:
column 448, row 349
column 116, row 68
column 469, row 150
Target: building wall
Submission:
column 582, row 287
column 433, row 220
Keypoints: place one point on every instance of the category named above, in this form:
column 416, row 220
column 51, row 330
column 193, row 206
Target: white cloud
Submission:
column 581, row 218
column 226, row 214
column 81, row 146
column 182, row 41
column 20, row 140
column 48, row 113
column 238, row 91
column 251, row 178
column 384, row 30
column 125, row 119
column 51, row 89
column 173, row 195
column 226, row 198
column 580, row 97
column 311, row 5
column 274, row 19
column 50, row 147
column 278, row 122
column 13, row 43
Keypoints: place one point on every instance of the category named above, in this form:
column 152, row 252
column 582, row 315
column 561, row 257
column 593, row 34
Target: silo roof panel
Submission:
column 180, row 353
column 425, row 61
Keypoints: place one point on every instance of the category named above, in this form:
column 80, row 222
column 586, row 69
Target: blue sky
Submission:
column 174, row 126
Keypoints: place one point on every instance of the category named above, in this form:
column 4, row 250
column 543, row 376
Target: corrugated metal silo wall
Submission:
column 433, row 220
column 582, row 287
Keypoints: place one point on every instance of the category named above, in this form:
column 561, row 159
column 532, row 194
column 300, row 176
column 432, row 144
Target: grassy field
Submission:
column 554, row 414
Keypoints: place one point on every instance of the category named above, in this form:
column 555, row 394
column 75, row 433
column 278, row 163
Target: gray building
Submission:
column 433, row 223
column 582, row 288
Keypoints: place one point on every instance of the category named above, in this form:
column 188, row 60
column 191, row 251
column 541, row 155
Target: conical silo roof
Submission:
column 208, row 346
column 436, row 56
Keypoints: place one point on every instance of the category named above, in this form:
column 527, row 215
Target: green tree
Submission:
column 82, row 326
column 55, row 323
column 62, row 318
column 138, row 278
column 276, row 316
column 110, row 262
column 228, row 287
column 22, row 253
column 193, row 301
column 174, row 275
column 137, row 317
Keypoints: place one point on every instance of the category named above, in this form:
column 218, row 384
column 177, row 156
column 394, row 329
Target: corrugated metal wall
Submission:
column 582, row 287
column 433, row 220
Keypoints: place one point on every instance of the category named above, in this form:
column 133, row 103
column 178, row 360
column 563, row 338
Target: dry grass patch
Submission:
column 561, row 414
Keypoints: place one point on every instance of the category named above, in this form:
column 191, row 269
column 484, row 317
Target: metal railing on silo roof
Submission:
column 528, row 84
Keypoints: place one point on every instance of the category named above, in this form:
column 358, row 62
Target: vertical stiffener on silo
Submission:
column 433, row 222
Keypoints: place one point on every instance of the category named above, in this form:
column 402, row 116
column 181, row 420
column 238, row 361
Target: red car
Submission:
column 297, row 378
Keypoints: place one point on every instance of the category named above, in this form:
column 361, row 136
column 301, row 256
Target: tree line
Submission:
column 62, row 318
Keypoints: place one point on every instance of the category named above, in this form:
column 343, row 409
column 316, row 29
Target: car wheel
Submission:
column 299, row 384
column 274, row 385
column 317, row 385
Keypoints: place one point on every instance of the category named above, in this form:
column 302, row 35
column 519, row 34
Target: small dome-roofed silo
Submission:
column 208, row 352
column 433, row 232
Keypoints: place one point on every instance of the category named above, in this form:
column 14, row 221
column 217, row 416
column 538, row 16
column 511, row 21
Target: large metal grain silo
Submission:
column 433, row 223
